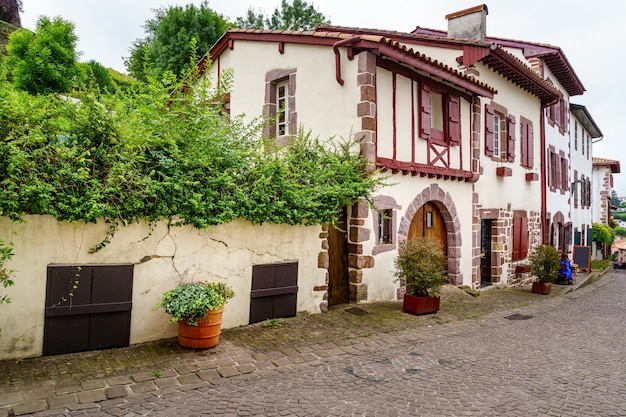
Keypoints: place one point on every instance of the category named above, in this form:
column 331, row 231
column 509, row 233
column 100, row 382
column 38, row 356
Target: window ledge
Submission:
column 532, row 176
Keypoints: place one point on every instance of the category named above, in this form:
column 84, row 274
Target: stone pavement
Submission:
column 262, row 361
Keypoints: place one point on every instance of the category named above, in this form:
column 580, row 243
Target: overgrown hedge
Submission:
column 148, row 154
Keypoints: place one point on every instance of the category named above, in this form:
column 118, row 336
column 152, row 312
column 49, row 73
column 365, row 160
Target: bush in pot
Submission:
column 197, row 308
column 422, row 263
column 544, row 264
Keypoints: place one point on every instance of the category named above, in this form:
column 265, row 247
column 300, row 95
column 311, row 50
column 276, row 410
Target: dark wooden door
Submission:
column 486, row 226
column 87, row 308
column 274, row 291
column 338, row 278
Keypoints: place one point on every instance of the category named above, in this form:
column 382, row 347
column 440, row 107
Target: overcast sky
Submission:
column 590, row 33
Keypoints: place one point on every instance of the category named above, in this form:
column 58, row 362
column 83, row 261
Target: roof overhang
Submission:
column 374, row 43
column 585, row 119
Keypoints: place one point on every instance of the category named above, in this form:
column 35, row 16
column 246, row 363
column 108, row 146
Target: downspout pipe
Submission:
column 544, row 172
column 336, row 46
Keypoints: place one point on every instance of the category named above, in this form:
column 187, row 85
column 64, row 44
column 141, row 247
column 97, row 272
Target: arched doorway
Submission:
column 446, row 208
column 429, row 222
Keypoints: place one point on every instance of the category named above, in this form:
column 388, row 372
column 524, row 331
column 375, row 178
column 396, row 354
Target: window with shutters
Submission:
column 575, row 135
column 499, row 133
column 520, row 235
column 527, row 145
column 440, row 115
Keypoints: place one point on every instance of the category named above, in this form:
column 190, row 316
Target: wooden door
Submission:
column 274, row 291
column 87, row 308
column 338, row 278
column 429, row 222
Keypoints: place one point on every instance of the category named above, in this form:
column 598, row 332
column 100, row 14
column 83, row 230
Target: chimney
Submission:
column 468, row 24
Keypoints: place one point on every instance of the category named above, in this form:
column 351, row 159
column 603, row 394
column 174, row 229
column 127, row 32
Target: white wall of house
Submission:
column 162, row 257
column 318, row 95
column 581, row 162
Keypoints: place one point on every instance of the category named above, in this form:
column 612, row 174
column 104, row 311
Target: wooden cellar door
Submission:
column 87, row 308
column 274, row 291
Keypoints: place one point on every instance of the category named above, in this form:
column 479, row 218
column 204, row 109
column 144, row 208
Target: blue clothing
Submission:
column 565, row 270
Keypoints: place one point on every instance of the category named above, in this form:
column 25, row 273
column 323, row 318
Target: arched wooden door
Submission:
column 428, row 221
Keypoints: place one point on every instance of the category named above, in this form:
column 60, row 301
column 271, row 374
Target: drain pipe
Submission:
column 336, row 45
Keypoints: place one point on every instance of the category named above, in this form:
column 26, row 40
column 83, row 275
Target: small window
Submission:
column 385, row 218
column 436, row 116
column 496, row 134
column 282, row 106
column 384, row 213
column 429, row 219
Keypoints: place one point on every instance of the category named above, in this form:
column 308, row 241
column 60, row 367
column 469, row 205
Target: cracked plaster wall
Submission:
column 162, row 257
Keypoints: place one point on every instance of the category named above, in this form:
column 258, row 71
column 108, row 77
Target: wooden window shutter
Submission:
column 517, row 237
column 454, row 120
column 425, row 112
column 510, row 146
column 557, row 165
column 530, row 147
column 557, row 114
column 524, row 142
column 489, row 129
column 523, row 237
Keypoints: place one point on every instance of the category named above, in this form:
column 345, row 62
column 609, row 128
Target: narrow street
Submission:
column 566, row 357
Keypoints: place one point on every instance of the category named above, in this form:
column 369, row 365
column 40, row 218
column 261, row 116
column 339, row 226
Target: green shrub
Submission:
column 423, row 264
column 191, row 301
column 544, row 263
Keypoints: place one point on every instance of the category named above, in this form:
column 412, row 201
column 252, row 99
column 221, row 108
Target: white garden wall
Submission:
column 162, row 257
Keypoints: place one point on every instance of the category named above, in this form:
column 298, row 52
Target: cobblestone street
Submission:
column 565, row 356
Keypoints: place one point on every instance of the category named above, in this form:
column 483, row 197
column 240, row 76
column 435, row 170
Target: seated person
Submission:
column 565, row 269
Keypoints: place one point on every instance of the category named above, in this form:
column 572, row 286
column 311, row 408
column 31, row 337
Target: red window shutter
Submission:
column 527, row 144
column 489, row 130
column 517, row 237
column 510, row 146
column 425, row 112
column 520, row 237
column 454, row 120
column 557, row 166
column 524, row 237
column 557, row 114
column 524, row 142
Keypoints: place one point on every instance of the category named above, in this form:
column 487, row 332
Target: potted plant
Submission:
column 422, row 263
column 544, row 264
column 197, row 307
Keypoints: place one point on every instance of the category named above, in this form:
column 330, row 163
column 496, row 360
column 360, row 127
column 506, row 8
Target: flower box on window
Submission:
column 532, row 176
column 504, row 172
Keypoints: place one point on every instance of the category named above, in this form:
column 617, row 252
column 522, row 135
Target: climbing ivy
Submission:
column 163, row 151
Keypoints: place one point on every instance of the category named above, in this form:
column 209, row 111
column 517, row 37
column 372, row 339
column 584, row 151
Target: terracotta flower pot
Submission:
column 542, row 287
column 205, row 335
column 420, row 305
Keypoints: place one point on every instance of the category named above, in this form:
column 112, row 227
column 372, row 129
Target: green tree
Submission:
column 168, row 44
column 297, row 15
column 45, row 61
column 614, row 199
column 604, row 236
column 93, row 73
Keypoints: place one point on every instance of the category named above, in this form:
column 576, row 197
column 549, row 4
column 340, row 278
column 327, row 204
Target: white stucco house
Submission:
column 463, row 125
